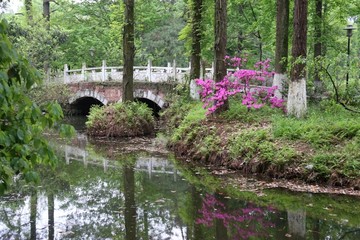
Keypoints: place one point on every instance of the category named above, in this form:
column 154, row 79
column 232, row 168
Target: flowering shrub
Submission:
column 244, row 223
column 241, row 81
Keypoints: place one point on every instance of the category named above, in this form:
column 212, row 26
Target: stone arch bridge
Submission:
column 103, row 85
column 86, row 94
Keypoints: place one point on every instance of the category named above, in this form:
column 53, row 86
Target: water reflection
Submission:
column 97, row 193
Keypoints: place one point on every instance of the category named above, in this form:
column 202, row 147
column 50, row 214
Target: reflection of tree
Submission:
column 196, row 204
column 51, row 218
column 221, row 232
column 297, row 223
column 250, row 221
column 130, row 207
column 33, row 214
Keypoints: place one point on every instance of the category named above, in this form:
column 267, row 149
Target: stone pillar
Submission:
column 148, row 70
column 105, row 164
column 83, row 77
column 174, row 70
column 103, row 71
column 66, row 74
column 194, row 90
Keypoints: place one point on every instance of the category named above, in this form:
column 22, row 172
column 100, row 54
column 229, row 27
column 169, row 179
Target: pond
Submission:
column 103, row 189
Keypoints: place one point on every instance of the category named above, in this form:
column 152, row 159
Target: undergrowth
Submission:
column 323, row 147
column 120, row 120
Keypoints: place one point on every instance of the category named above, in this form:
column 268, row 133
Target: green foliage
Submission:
column 44, row 93
column 191, row 119
column 322, row 129
column 22, row 145
column 332, row 132
column 249, row 144
column 40, row 45
column 120, row 120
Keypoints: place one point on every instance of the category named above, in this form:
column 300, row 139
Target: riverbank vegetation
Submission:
column 120, row 120
column 321, row 148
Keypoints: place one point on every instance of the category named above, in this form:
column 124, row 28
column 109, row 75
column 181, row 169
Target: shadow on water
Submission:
column 102, row 190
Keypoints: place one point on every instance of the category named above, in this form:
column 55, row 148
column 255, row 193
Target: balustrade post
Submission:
column 174, row 69
column 103, row 71
column 202, row 72
column 148, row 70
column 66, row 69
column 212, row 70
column 83, row 77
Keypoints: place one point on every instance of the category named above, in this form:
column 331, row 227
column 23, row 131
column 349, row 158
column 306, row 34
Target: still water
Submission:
column 104, row 189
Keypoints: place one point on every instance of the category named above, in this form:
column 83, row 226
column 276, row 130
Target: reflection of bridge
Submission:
column 152, row 165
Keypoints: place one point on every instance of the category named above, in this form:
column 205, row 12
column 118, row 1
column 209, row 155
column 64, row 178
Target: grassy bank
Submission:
column 322, row 148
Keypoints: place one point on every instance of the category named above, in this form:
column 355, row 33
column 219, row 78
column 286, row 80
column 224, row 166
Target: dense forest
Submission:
column 72, row 32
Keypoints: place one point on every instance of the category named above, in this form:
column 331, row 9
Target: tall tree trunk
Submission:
column 196, row 9
column 318, row 47
column 130, row 206
column 46, row 15
column 297, row 102
column 128, row 51
column 282, row 45
column 240, row 37
column 46, row 10
column 28, row 9
column 220, row 45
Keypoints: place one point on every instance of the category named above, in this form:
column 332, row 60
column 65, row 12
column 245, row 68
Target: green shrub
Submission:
column 120, row 120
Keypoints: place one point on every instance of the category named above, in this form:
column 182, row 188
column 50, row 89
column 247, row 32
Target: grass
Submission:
column 325, row 144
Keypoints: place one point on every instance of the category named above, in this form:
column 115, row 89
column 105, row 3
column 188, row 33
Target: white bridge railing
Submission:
column 147, row 73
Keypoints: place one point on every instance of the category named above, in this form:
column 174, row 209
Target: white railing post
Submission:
column 66, row 69
column 212, row 70
column 103, row 71
column 83, row 77
column 174, row 69
column 148, row 70
column 189, row 67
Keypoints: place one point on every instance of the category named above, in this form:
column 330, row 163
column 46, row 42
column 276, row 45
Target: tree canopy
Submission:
column 22, row 122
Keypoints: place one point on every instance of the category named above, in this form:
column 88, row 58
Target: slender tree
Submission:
column 46, row 10
column 282, row 42
column 196, row 10
column 46, row 14
column 28, row 7
column 128, row 51
column 297, row 103
column 318, row 45
column 220, row 45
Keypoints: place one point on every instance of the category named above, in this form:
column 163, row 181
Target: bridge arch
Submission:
column 149, row 95
column 153, row 101
column 82, row 101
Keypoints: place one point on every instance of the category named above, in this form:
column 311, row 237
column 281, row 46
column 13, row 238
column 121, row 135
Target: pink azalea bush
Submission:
column 246, row 82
